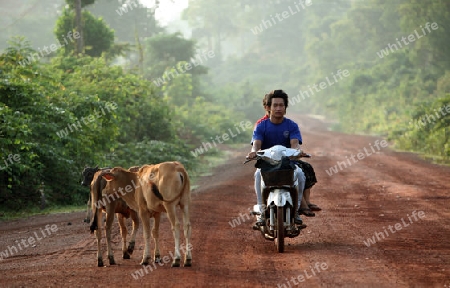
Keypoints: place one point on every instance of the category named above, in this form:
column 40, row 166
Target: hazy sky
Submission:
column 168, row 9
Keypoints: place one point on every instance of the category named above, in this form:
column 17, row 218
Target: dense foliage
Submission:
column 173, row 97
column 395, row 54
column 57, row 116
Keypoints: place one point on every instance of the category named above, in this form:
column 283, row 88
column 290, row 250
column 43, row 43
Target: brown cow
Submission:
column 153, row 190
column 100, row 203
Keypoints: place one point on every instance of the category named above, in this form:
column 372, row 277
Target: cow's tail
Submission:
column 186, row 190
column 96, row 194
column 156, row 191
column 185, row 186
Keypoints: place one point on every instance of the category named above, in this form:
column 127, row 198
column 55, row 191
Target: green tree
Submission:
column 432, row 49
column 97, row 36
column 128, row 19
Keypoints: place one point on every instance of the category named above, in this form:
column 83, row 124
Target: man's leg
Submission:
column 304, row 207
column 304, row 203
column 258, row 186
column 306, row 195
column 258, row 189
column 310, row 181
column 301, row 179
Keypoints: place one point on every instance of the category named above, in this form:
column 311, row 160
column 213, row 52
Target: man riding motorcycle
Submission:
column 306, row 207
column 277, row 130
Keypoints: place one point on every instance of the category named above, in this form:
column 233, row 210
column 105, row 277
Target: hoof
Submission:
column 93, row 227
column 176, row 263
column 126, row 255
column 100, row 263
column 130, row 248
column 145, row 261
column 158, row 259
column 188, row 263
column 111, row 260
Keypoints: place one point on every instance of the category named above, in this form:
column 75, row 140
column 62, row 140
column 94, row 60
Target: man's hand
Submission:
column 251, row 155
column 303, row 154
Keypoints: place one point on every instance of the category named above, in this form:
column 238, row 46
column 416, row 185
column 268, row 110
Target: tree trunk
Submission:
column 79, row 27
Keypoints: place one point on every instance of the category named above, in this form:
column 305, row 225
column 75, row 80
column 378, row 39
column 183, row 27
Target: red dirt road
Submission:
column 396, row 197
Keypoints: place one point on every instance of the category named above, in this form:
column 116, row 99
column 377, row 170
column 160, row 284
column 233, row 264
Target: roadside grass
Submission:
column 435, row 159
column 32, row 211
column 210, row 160
column 213, row 158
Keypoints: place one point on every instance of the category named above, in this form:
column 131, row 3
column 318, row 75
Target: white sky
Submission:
column 168, row 9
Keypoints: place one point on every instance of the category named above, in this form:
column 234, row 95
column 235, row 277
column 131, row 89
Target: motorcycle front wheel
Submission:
column 279, row 242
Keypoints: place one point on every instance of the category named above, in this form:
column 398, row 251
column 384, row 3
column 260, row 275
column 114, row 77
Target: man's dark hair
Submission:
column 265, row 100
column 277, row 94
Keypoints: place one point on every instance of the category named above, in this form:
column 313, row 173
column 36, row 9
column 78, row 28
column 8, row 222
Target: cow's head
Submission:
column 119, row 177
column 134, row 168
column 114, row 174
column 88, row 175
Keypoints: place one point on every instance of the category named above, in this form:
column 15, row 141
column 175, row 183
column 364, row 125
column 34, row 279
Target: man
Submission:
column 277, row 130
column 306, row 206
column 266, row 108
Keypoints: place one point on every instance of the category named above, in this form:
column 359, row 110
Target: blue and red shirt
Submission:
column 272, row 134
column 261, row 119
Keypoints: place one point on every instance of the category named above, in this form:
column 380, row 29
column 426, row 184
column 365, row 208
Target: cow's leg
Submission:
column 88, row 211
column 187, row 235
column 110, row 211
column 135, row 219
column 155, row 234
column 123, row 232
column 98, row 234
column 145, row 217
column 171, row 213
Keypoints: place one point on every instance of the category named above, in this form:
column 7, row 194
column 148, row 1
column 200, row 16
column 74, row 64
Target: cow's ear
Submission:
column 108, row 176
column 96, row 167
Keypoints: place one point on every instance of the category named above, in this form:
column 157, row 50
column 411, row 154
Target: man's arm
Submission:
column 295, row 144
column 256, row 147
column 295, row 134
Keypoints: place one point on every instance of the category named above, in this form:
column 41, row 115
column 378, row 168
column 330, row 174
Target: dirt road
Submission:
column 385, row 223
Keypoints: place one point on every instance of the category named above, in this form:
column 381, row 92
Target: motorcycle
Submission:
column 279, row 193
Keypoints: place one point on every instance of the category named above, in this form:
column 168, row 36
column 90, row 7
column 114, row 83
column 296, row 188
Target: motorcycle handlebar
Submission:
column 248, row 159
column 258, row 157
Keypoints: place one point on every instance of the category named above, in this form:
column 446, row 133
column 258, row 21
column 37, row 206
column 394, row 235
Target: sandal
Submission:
column 314, row 207
column 307, row 212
